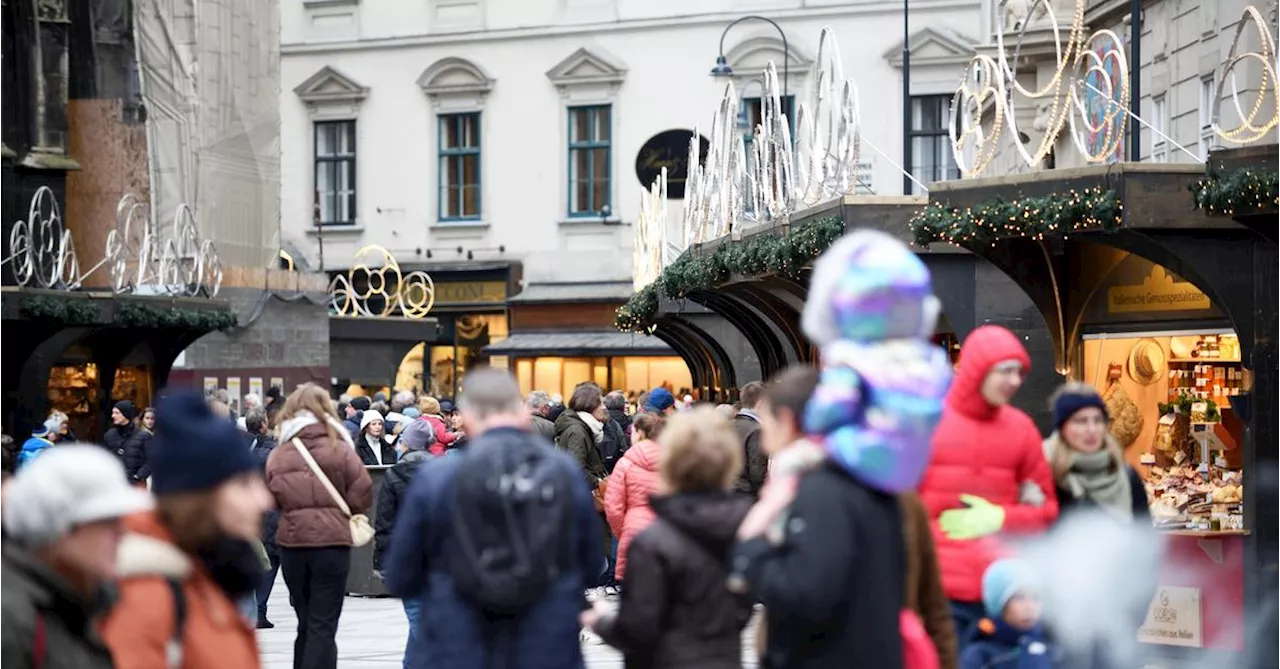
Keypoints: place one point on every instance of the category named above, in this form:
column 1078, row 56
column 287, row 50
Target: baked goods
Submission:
column 1126, row 417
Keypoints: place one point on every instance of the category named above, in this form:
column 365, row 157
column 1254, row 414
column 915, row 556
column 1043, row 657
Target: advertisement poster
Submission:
column 1174, row 618
column 210, row 385
column 233, row 392
column 255, row 385
column 278, row 382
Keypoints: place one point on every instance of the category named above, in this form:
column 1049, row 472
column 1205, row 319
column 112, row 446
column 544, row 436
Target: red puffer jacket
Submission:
column 626, row 501
column 986, row 451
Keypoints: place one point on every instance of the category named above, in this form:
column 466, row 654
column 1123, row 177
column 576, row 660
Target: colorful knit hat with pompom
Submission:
column 871, row 311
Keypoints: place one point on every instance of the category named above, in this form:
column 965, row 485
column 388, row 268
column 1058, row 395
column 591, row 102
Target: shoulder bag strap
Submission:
column 324, row 480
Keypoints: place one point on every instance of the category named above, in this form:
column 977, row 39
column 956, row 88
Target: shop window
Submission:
column 459, row 142
column 931, row 158
column 335, row 171
column 590, row 146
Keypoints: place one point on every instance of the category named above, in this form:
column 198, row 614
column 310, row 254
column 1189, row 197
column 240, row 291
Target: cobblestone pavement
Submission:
column 372, row 632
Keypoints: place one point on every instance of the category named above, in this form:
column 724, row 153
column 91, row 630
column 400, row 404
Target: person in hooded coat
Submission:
column 633, row 482
column 41, row 440
column 128, row 441
column 988, row 475
column 195, row 553
column 413, row 443
column 834, row 584
column 677, row 610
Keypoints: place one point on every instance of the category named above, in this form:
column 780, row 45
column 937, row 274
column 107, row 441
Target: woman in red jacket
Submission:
column 988, row 475
column 626, row 501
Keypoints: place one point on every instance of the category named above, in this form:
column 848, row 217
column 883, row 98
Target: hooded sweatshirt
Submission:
column 992, row 452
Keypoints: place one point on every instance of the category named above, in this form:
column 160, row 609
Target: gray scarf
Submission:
column 1099, row 478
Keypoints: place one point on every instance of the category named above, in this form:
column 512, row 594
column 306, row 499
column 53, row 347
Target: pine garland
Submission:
column 134, row 314
column 783, row 255
column 58, row 310
column 1240, row 192
column 1033, row 217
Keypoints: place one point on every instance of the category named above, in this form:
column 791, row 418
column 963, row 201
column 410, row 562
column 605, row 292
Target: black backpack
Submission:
column 513, row 523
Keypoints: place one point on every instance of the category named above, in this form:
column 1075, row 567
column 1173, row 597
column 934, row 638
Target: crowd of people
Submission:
column 869, row 509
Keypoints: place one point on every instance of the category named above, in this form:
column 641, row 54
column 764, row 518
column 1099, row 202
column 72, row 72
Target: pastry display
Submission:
column 1185, row 497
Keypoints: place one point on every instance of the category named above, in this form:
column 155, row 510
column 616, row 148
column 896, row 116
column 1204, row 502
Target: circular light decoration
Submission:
column 1264, row 113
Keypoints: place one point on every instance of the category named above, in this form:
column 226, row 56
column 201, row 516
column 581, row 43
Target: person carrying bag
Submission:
column 361, row 528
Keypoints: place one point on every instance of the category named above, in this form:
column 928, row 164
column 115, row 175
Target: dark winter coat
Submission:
column 309, row 517
column 33, row 592
column 369, row 458
column 543, row 426
column 834, row 588
column 261, row 446
column 613, row 445
column 573, row 435
column 996, row 645
column 677, row 610
column 624, row 422
column 129, row 443
column 453, row 633
column 394, row 484
column 755, row 463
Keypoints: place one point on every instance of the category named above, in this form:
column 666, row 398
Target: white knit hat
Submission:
column 66, row 486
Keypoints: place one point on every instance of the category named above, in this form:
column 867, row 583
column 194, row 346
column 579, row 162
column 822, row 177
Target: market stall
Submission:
column 1169, row 366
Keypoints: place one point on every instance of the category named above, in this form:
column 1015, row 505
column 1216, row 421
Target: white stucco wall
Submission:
column 666, row 48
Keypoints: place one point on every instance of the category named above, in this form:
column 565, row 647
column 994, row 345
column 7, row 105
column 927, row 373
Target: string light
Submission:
column 1239, row 193
column 785, row 255
column 1034, row 218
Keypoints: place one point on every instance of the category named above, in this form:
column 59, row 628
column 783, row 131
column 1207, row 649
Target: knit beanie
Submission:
column 1069, row 404
column 418, row 435
column 871, row 311
column 194, row 450
column 1004, row 579
column 127, row 409
column 368, row 417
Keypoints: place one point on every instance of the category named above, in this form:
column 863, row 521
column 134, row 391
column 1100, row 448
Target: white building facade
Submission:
column 459, row 132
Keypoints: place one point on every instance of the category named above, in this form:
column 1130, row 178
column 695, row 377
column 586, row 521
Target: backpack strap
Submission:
column 173, row 650
column 38, row 643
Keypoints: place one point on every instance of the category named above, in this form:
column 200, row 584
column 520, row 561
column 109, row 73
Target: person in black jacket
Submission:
column 413, row 443
column 746, row 423
column 128, row 441
column 261, row 443
column 373, row 445
column 616, row 404
column 677, row 610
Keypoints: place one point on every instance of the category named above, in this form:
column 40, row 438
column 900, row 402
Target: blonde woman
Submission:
column 314, row 534
column 677, row 610
column 1088, row 464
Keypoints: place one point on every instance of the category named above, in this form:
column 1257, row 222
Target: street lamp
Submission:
column 722, row 68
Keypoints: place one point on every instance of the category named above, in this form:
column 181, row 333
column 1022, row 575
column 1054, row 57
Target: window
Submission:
column 336, row 171
column 590, row 133
column 1208, row 89
column 1159, row 124
column 460, row 167
column 931, row 158
column 752, row 114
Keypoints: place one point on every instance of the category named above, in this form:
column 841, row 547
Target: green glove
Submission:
column 980, row 519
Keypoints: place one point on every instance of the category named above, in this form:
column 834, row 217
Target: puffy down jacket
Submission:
column 992, row 452
column 626, row 501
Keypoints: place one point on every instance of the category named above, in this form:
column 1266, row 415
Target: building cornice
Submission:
column 887, row 8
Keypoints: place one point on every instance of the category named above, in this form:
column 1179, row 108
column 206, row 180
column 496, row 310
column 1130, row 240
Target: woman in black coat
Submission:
column 372, row 443
column 677, row 610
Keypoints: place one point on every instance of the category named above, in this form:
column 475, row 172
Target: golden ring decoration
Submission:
column 1250, row 128
column 384, row 288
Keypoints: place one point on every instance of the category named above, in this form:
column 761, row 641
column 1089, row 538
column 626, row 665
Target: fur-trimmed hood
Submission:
column 142, row 555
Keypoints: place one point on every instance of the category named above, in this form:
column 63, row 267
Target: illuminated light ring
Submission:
column 1091, row 67
column 189, row 265
column 828, row 139
column 376, row 282
column 20, row 253
column 651, row 238
column 47, row 251
column 1055, row 92
column 981, row 85
column 1248, row 131
column 341, row 301
column 771, row 183
column 120, row 247
column 417, row 295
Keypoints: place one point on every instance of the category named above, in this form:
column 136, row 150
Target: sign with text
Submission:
column 471, row 292
column 669, row 149
column 1174, row 618
column 1158, row 292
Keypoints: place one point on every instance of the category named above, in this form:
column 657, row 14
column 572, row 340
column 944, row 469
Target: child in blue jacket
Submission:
column 1010, row 637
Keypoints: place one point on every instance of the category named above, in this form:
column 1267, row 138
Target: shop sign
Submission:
column 1158, row 292
column 1174, row 618
column 471, row 292
column 669, row 149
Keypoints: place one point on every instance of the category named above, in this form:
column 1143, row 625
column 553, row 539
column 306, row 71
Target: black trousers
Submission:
column 263, row 592
column 317, row 582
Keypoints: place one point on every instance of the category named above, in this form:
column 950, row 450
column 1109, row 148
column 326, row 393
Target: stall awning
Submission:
column 600, row 291
column 571, row 344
